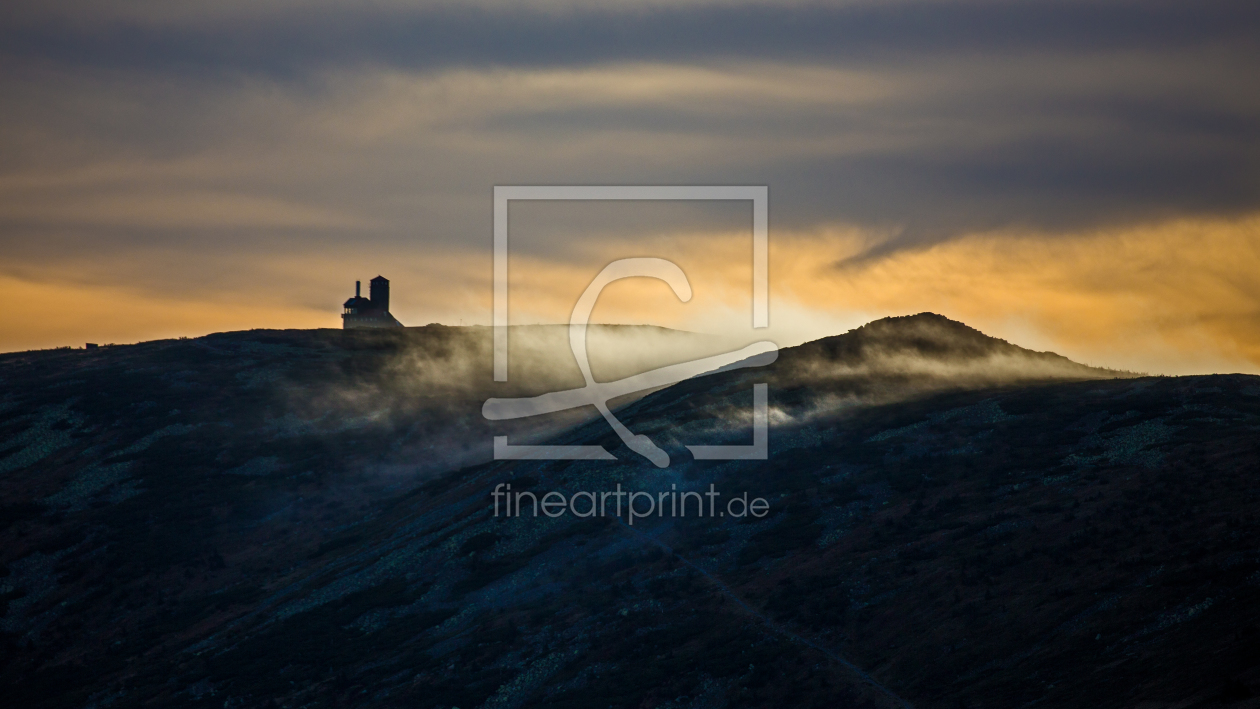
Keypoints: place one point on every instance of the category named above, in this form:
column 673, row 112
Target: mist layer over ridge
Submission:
column 900, row 358
column 887, row 361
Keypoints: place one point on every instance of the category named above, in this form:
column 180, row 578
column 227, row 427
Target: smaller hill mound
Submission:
column 930, row 346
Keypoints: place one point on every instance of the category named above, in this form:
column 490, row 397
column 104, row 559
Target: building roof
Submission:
column 358, row 302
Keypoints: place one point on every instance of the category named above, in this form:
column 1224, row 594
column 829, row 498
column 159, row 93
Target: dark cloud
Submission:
column 265, row 129
column 294, row 42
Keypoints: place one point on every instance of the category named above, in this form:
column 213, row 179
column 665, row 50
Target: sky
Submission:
column 1080, row 177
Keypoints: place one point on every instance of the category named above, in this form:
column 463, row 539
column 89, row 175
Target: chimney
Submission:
column 356, row 289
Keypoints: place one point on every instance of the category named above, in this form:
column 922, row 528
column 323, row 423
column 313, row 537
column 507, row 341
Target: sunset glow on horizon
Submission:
column 202, row 169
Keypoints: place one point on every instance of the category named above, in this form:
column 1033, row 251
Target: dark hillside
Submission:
column 250, row 520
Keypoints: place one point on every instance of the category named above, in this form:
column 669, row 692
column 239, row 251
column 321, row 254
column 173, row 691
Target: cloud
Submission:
column 1170, row 297
column 178, row 210
column 143, row 13
column 223, row 152
column 1176, row 296
column 938, row 147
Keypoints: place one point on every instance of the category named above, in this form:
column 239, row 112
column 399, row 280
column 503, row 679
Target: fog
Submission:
column 426, row 387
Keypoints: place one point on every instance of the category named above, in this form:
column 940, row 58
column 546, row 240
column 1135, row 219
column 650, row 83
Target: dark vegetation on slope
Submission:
column 228, row 522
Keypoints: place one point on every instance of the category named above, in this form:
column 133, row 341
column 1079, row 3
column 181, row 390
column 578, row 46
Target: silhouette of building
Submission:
column 372, row 311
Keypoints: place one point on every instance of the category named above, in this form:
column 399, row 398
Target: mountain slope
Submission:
column 940, row 532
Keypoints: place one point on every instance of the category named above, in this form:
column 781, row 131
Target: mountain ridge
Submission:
column 267, row 519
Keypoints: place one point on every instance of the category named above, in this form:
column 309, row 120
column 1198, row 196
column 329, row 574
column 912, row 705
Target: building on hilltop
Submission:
column 372, row 311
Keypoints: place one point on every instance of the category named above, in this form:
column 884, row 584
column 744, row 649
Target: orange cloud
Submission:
column 1174, row 297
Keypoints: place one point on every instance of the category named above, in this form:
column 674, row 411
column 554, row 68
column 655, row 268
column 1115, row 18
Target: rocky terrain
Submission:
column 305, row 519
